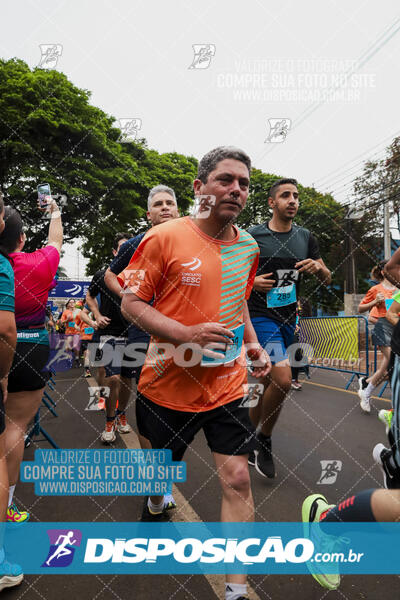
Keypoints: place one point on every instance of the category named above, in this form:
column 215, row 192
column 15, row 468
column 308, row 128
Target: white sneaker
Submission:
column 122, row 424
column 10, row 575
column 108, row 436
column 364, row 401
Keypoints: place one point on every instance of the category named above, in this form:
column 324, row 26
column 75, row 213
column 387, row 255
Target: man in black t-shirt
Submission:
column 286, row 251
column 113, row 331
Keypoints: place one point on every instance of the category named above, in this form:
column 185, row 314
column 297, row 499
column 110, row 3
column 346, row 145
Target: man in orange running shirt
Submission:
column 200, row 270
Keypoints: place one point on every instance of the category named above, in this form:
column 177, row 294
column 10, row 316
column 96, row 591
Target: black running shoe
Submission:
column 252, row 458
column 391, row 474
column 229, row 589
column 148, row 516
column 264, row 461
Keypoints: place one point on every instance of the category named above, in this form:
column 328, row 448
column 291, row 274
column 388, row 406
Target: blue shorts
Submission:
column 274, row 337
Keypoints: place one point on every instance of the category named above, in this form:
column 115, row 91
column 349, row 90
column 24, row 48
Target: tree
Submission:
column 51, row 133
column 378, row 184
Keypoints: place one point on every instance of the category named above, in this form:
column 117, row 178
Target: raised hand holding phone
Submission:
column 44, row 195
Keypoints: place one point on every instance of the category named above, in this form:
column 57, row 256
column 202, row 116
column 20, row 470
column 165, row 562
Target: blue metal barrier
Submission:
column 37, row 429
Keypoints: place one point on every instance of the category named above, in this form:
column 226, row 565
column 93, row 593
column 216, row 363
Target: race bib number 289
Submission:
column 281, row 296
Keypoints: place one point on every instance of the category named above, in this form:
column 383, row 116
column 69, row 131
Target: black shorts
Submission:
column 118, row 357
column 228, row 428
column 28, row 371
column 84, row 345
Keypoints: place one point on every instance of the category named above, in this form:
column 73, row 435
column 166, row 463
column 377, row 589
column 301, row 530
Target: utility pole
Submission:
column 350, row 288
column 386, row 231
column 387, row 245
column 351, row 280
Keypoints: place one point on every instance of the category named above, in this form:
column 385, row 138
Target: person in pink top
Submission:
column 33, row 275
column 377, row 301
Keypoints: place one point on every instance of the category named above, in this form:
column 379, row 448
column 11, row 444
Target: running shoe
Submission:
column 385, row 417
column 252, row 458
column 384, row 459
column 313, row 507
column 122, row 424
column 14, row 515
column 169, row 502
column 87, row 373
column 10, row 574
column 364, row 399
column 362, row 383
column 108, row 435
column 296, row 385
column 264, row 462
column 148, row 516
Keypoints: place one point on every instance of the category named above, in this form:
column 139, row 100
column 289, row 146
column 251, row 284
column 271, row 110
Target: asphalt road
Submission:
column 321, row 422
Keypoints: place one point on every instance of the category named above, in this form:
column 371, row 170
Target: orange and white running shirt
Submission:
column 193, row 278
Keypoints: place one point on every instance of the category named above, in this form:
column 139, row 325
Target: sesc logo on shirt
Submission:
column 192, row 277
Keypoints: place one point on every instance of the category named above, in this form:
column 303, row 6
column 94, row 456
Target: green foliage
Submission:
column 51, row 133
column 379, row 183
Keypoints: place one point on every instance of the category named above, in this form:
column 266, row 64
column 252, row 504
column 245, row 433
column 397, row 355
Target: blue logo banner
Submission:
column 200, row 548
column 109, row 472
column 70, row 289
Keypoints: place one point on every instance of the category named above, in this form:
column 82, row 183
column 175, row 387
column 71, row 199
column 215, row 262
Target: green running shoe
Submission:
column 14, row 515
column 385, row 417
column 311, row 511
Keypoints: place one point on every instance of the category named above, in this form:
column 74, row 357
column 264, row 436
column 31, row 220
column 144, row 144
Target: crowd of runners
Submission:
column 186, row 310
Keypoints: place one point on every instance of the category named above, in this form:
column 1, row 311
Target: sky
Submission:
column 196, row 75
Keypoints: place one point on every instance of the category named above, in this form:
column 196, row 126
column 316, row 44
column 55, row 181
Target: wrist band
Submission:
column 56, row 214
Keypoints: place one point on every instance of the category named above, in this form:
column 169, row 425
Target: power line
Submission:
column 350, row 184
column 377, row 202
column 327, row 180
column 365, row 57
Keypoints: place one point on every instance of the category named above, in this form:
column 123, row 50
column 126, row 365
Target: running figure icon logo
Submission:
column 329, row 471
column 203, row 53
column 50, row 55
column 129, row 129
column 252, row 392
column 278, row 130
column 63, row 543
column 202, row 206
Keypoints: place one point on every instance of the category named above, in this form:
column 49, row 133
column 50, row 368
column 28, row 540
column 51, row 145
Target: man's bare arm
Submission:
column 84, row 315
column 112, row 282
column 155, row 323
column 250, row 336
column 392, row 269
column 392, row 315
column 8, row 341
column 94, row 308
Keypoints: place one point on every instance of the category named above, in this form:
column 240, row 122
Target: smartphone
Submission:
column 43, row 193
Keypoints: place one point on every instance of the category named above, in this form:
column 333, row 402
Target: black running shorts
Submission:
column 228, row 428
column 28, row 371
